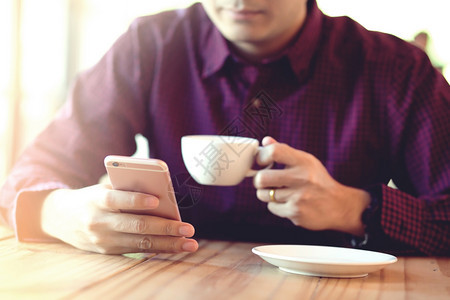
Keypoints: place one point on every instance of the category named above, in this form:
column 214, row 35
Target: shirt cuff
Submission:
column 27, row 212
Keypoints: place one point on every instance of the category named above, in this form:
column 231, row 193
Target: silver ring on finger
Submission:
column 145, row 244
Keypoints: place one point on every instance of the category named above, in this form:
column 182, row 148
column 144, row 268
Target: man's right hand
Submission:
column 91, row 219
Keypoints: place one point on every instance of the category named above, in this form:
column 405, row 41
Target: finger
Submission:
column 281, row 210
column 270, row 178
column 280, row 195
column 162, row 244
column 123, row 200
column 268, row 140
column 135, row 243
column 282, row 154
column 151, row 225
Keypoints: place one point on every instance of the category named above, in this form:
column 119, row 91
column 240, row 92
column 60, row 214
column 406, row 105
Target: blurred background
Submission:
column 45, row 43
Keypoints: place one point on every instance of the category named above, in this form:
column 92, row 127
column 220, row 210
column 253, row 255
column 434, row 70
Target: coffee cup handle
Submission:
column 252, row 172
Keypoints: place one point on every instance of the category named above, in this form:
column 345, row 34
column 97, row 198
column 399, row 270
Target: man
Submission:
column 421, row 40
column 339, row 110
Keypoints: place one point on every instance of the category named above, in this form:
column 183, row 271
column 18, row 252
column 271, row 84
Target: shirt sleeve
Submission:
column 422, row 223
column 105, row 109
column 26, row 219
column 418, row 110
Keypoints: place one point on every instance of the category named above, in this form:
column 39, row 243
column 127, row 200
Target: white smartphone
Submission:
column 150, row 176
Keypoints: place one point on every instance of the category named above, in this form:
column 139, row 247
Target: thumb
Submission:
column 268, row 140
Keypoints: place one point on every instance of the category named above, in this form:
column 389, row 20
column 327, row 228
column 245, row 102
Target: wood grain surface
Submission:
column 218, row 270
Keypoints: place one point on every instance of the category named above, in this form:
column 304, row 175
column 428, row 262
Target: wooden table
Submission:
column 219, row 270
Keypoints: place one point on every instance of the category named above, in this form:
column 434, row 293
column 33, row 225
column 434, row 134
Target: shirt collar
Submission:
column 214, row 47
column 301, row 52
column 216, row 50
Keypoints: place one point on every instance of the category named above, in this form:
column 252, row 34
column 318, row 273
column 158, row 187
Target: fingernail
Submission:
column 185, row 230
column 151, row 201
column 189, row 246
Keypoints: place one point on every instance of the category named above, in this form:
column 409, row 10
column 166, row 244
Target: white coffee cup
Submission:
column 218, row 159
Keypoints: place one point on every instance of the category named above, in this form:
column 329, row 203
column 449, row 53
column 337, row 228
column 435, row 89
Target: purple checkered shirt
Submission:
column 369, row 106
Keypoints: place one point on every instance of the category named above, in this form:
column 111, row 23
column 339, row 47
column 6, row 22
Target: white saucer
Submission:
column 324, row 261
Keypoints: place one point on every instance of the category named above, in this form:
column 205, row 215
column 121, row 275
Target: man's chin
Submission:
column 243, row 37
